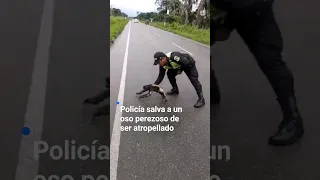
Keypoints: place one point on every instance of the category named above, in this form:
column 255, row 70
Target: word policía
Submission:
column 142, row 109
column 72, row 151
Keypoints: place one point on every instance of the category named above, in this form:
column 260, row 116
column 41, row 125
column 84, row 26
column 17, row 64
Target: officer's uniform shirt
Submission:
column 177, row 61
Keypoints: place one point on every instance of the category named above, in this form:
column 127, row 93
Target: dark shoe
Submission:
column 174, row 91
column 291, row 127
column 201, row 102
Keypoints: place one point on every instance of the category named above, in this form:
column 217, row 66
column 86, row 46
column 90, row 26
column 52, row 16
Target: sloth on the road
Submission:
column 98, row 98
column 155, row 88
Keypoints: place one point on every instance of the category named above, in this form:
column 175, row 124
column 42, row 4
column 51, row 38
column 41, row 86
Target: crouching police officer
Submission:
column 255, row 22
column 175, row 63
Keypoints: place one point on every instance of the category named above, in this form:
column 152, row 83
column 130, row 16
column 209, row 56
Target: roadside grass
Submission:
column 187, row 31
column 117, row 25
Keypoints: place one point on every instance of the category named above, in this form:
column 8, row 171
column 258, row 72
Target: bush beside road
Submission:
column 117, row 25
column 187, row 31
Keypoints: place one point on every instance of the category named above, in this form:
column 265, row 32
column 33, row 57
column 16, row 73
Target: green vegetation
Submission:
column 117, row 12
column 118, row 20
column 191, row 32
column 117, row 25
column 181, row 19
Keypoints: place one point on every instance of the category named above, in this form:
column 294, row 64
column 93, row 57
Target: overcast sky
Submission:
column 130, row 7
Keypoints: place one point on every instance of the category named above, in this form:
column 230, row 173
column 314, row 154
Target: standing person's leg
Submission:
column 214, row 87
column 261, row 33
column 193, row 76
column 172, row 73
column 220, row 31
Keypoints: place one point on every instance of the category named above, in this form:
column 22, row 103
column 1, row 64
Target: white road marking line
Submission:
column 27, row 167
column 116, row 133
column 157, row 34
column 204, row 45
column 182, row 49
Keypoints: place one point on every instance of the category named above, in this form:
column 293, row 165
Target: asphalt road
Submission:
column 183, row 153
column 78, row 62
column 249, row 112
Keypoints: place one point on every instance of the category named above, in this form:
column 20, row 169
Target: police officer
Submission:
column 255, row 22
column 175, row 63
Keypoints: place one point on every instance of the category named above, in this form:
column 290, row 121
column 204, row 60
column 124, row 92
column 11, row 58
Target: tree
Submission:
column 180, row 11
column 200, row 17
column 117, row 12
column 187, row 9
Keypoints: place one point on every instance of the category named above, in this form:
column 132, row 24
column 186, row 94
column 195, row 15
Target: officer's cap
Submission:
column 157, row 56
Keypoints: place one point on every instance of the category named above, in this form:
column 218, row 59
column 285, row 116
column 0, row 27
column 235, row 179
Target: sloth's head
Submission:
column 147, row 87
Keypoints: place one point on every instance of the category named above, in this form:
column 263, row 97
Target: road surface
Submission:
column 249, row 112
column 78, row 63
column 72, row 68
column 181, row 154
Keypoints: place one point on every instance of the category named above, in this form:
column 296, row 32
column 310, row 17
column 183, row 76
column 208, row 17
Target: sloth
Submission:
column 150, row 88
column 98, row 98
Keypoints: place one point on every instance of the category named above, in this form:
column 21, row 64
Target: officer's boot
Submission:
column 201, row 101
column 174, row 90
column 291, row 127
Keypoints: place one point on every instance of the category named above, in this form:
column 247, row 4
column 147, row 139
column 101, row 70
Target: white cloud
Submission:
column 130, row 7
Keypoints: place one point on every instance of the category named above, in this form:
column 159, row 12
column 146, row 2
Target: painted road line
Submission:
column 204, row 45
column 182, row 49
column 116, row 133
column 27, row 168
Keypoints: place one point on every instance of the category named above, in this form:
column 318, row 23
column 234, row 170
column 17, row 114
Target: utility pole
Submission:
column 111, row 9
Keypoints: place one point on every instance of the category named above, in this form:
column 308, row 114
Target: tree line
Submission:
column 117, row 12
column 180, row 11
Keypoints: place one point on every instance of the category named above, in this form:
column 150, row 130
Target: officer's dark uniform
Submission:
column 255, row 22
column 176, row 63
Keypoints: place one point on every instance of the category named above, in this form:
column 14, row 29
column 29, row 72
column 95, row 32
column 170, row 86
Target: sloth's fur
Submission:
column 152, row 88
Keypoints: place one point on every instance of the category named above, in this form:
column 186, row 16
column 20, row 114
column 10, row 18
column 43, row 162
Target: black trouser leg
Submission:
column 263, row 37
column 214, row 87
column 193, row 76
column 261, row 33
column 172, row 73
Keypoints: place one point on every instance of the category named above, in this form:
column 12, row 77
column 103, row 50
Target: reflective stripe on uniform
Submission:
column 173, row 64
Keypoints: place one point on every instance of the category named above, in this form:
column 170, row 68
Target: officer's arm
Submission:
column 162, row 73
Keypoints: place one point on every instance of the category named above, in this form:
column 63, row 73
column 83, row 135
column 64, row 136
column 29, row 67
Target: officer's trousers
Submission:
column 258, row 28
column 192, row 74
